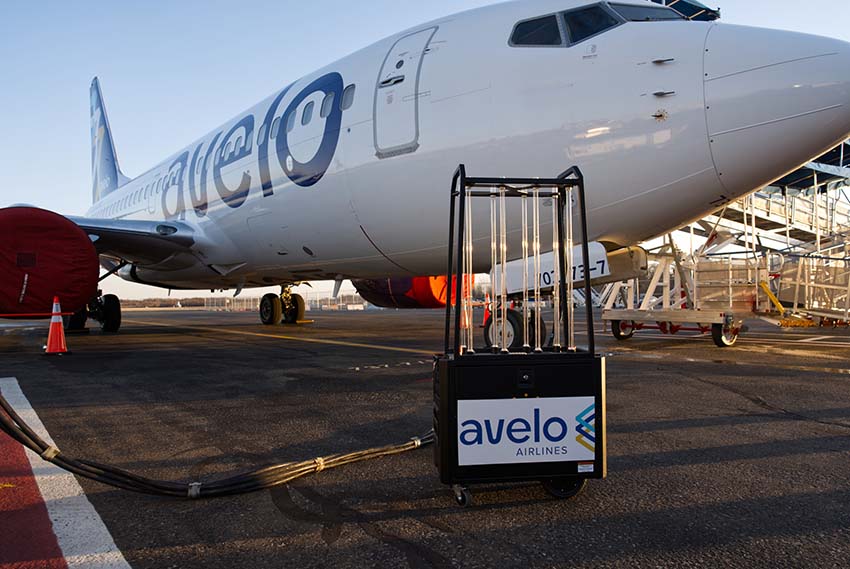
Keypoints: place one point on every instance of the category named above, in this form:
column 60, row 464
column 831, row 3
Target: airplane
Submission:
column 344, row 173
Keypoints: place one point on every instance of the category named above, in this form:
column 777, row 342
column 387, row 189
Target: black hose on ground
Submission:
column 254, row 481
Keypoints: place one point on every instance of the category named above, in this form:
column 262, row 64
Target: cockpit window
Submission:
column 634, row 13
column 587, row 22
column 538, row 32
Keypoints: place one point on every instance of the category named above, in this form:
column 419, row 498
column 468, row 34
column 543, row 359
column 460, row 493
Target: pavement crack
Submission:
column 764, row 404
column 334, row 515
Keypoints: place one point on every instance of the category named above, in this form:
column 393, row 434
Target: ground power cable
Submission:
column 252, row 481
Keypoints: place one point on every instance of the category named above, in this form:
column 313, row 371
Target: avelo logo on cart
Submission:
column 504, row 431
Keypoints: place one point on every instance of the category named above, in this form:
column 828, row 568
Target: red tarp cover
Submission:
column 43, row 255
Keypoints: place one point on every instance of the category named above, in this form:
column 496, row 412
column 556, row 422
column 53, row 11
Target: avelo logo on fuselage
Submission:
column 212, row 158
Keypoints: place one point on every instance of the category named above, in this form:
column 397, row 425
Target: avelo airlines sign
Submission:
column 505, row 431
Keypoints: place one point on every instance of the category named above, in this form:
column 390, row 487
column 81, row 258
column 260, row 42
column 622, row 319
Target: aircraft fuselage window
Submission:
column 327, row 105
column 347, row 98
column 238, row 144
column 275, row 127
column 308, row 113
column 586, row 22
column 543, row 31
column 261, row 134
column 290, row 122
column 646, row 13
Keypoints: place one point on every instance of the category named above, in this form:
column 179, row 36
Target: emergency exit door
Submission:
column 397, row 95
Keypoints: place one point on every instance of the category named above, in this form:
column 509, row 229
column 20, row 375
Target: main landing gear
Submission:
column 105, row 308
column 286, row 308
column 514, row 327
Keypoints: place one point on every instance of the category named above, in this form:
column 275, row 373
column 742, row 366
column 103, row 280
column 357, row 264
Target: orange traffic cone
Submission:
column 56, row 335
column 486, row 309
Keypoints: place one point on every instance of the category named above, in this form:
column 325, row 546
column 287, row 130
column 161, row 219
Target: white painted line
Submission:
column 815, row 339
column 746, row 339
column 82, row 535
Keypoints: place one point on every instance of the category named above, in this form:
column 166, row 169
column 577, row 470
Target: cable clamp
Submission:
column 417, row 442
column 320, row 464
column 49, row 453
column 194, row 490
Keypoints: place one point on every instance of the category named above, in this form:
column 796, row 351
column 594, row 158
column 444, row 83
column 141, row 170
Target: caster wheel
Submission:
column 724, row 335
column 622, row 329
column 564, row 488
column 463, row 496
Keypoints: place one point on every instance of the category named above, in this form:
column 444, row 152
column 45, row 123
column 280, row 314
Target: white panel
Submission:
column 507, row 431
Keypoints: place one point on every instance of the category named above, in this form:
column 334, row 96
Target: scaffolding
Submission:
column 816, row 285
column 698, row 293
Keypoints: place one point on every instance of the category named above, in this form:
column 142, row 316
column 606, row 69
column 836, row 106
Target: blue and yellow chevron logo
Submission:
column 585, row 428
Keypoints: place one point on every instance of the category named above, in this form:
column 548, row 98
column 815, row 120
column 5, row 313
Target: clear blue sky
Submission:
column 171, row 71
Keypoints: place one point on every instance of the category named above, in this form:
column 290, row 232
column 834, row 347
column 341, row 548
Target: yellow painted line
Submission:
column 5, row 486
column 285, row 337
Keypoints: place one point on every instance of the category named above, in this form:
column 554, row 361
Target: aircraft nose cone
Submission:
column 774, row 100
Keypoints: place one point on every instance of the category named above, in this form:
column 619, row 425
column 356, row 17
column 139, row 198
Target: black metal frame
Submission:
column 488, row 376
column 462, row 185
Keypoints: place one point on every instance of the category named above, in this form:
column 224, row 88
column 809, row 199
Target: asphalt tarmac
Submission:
column 734, row 457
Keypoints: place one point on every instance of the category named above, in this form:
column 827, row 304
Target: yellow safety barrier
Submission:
column 797, row 323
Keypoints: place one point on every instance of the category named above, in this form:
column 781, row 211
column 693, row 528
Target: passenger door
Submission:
column 397, row 95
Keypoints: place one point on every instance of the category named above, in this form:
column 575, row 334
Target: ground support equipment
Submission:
column 699, row 294
column 534, row 412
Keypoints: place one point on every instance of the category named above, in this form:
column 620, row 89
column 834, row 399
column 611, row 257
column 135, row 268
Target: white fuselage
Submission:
column 667, row 120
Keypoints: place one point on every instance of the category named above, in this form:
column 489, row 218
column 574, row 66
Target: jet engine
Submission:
column 406, row 292
column 43, row 255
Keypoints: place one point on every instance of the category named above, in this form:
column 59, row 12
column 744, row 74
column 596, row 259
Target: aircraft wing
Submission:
column 161, row 244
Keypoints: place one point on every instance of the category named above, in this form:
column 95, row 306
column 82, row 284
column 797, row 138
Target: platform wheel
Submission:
column 513, row 329
column 463, row 497
column 271, row 309
column 564, row 488
column 724, row 335
column 295, row 310
column 623, row 329
column 111, row 311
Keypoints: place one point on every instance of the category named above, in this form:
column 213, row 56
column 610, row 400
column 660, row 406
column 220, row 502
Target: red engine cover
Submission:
column 43, row 255
column 409, row 292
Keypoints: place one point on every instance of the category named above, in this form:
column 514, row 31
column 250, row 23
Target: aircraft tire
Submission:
column 111, row 310
column 271, row 309
column 296, row 310
column 513, row 329
column 545, row 337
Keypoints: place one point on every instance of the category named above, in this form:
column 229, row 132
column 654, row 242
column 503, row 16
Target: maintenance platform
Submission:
column 735, row 457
